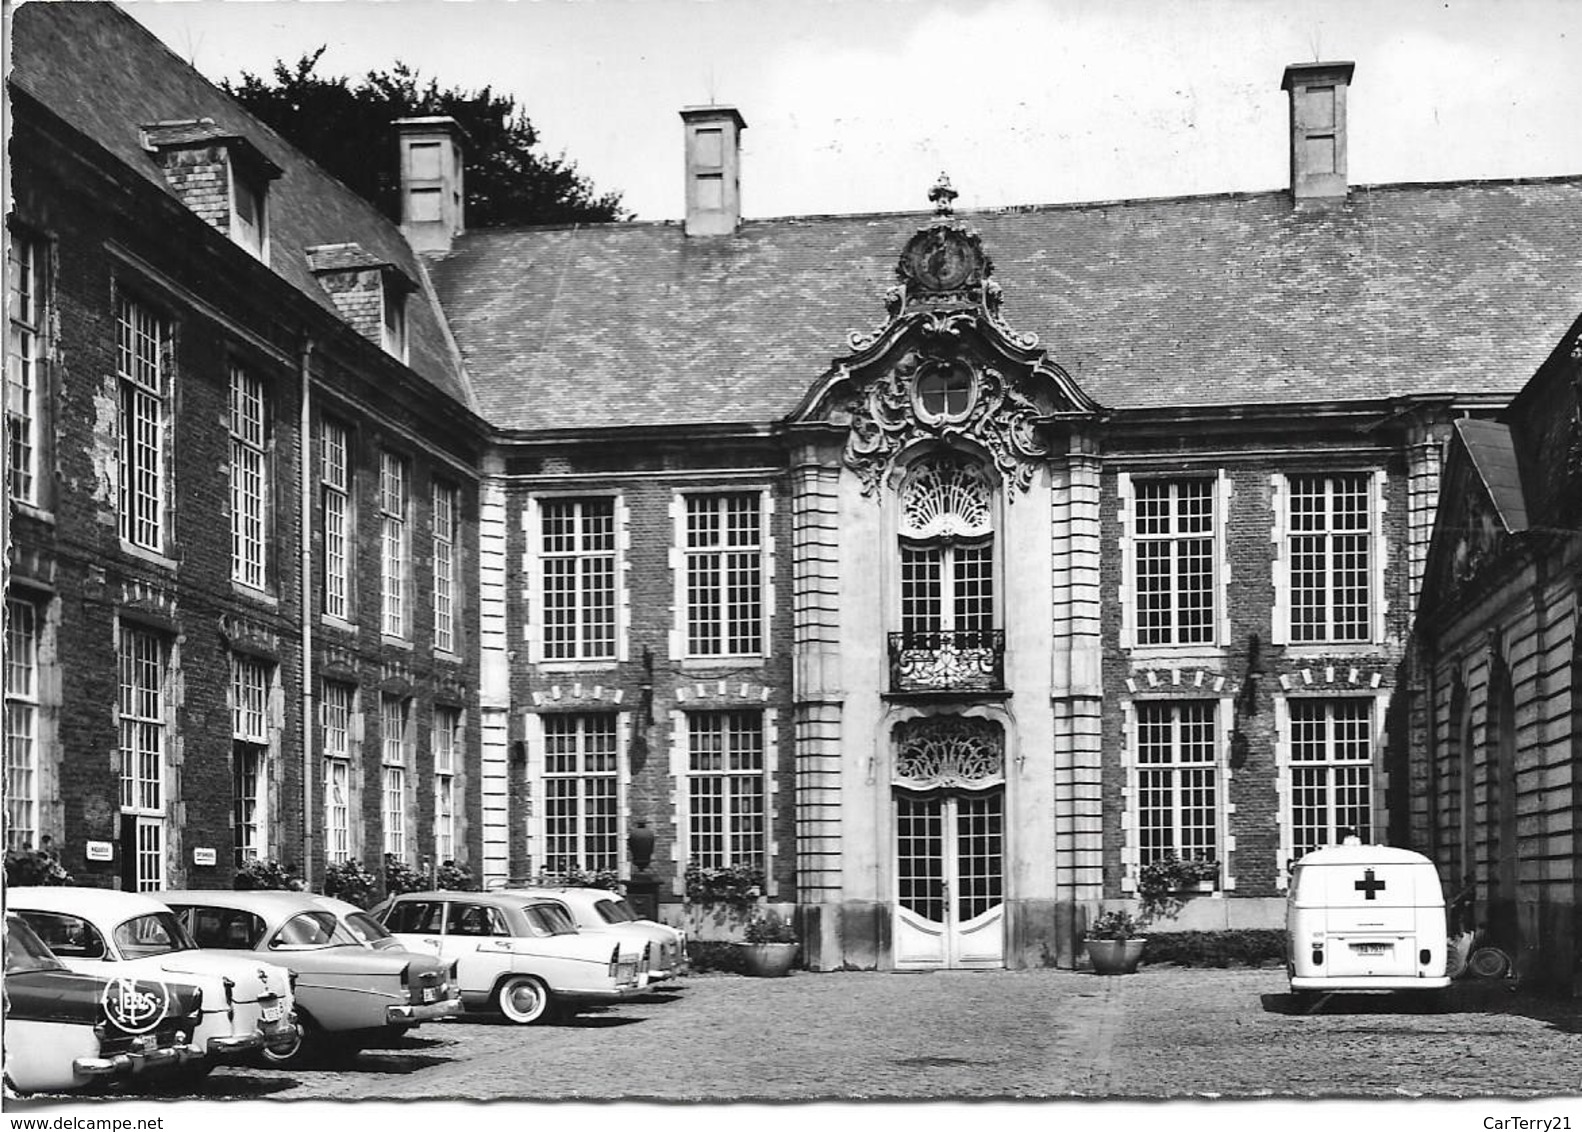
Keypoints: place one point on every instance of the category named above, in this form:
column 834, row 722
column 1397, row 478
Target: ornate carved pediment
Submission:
column 949, row 751
column 945, row 366
column 1480, row 538
column 890, row 413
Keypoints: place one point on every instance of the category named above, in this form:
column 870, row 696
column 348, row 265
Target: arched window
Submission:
column 947, row 547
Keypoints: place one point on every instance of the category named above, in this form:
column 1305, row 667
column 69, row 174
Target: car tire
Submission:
column 524, row 1000
column 298, row 1052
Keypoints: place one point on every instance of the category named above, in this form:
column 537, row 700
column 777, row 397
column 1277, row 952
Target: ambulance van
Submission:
column 1365, row 917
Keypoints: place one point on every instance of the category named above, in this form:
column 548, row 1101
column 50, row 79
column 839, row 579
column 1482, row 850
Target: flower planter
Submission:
column 1115, row 956
column 768, row 960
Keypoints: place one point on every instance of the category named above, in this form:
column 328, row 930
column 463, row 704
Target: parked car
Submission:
column 348, row 996
column 598, row 911
column 514, row 952
column 363, row 926
column 65, row 1031
column 100, row 931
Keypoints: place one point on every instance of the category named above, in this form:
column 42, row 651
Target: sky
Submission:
column 859, row 105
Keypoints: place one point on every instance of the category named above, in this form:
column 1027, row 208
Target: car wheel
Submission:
column 294, row 1054
column 524, row 999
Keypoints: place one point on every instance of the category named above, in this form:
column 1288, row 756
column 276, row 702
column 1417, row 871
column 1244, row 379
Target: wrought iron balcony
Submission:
column 970, row 660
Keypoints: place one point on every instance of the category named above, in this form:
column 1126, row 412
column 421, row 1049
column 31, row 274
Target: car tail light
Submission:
column 291, row 979
column 1425, row 957
column 230, row 996
column 1318, row 956
column 615, row 962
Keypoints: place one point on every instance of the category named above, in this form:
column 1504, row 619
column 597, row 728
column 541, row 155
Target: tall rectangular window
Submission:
column 142, row 749
column 1331, row 771
column 249, row 478
column 1177, row 781
column 24, row 396
column 579, row 579
column 337, row 747
column 140, row 354
column 395, row 559
column 1174, row 549
column 947, row 587
column 581, row 810
column 447, row 739
column 395, row 717
column 21, row 724
column 726, row 789
column 335, row 492
column 724, row 575
column 444, row 567
column 1330, row 525
column 250, row 756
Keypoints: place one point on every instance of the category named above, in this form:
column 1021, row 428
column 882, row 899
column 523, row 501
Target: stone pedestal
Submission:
column 642, row 893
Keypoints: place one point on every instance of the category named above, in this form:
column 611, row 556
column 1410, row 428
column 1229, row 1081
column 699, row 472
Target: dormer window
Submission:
column 393, row 333
column 943, row 393
column 220, row 176
column 247, row 213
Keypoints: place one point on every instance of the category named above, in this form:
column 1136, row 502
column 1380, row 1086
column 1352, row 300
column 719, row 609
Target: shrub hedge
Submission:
column 1241, row 947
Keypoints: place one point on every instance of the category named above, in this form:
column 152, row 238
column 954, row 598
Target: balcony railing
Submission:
column 970, row 660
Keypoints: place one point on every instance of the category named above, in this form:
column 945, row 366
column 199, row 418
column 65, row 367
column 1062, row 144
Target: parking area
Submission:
column 1163, row 1032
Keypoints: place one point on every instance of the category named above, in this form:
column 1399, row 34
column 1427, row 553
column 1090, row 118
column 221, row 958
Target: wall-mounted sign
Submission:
column 101, row 851
column 203, row 856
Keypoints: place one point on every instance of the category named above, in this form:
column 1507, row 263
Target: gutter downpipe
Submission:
column 305, row 582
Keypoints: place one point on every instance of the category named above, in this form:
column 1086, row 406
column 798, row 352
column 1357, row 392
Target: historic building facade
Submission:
column 935, row 573
column 1498, row 786
column 243, row 480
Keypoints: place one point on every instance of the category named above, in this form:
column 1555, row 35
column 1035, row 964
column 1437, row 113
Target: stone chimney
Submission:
column 431, row 181
column 1318, row 131
column 713, row 151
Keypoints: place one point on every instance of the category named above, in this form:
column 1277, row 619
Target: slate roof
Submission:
column 105, row 75
column 1148, row 304
column 1490, row 448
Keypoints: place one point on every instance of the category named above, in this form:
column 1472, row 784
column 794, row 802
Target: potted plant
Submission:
column 1113, row 943
column 771, row 947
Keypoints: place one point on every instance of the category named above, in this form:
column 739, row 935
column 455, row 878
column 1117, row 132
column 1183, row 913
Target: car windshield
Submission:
column 312, row 929
column 547, row 919
column 365, row 927
column 24, row 952
column 615, row 912
column 157, row 933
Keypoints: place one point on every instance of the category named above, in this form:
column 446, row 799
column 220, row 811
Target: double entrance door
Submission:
column 950, row 878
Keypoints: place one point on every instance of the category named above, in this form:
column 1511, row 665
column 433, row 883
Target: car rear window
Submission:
column 68, row 936
column 548, row 919
column 365, row 927
column 615, row 911
column 24, row 951
column 229, row 928
column 156, row 933
column 312, row 929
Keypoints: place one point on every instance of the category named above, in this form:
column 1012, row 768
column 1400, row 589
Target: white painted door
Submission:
column 949, row 858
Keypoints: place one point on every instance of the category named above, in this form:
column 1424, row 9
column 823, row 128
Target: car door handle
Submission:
column 432, row 942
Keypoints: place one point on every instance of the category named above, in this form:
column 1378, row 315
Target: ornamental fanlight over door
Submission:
column 950, row 843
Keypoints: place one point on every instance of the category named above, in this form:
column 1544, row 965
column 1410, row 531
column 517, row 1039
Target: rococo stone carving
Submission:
column 946, row 497
column 1001, row 419
column 949, row 751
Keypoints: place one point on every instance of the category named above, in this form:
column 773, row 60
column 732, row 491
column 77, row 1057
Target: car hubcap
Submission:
column 524, row 999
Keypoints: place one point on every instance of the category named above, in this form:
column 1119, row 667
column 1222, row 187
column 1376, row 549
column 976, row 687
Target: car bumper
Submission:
column 592, row 997
column 234, row 1045
column 1370, row 982
column 410, row 1014
column 123, row 1064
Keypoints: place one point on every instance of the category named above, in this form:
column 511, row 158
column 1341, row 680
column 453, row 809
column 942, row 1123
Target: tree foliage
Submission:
column 345, row 126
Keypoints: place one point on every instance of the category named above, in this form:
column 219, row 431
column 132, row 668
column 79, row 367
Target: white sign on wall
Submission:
column 203, row 856
column 101, row 851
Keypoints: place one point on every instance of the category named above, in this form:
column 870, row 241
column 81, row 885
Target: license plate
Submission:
column 1371, row 948
column 273, row 1013
column 430, row 994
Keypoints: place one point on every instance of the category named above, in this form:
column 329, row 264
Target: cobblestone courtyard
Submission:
column 1164, row 1032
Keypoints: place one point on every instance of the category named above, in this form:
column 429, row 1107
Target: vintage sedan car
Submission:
column 97, row 931
column 514, row 952
column 66, row 1031
column 348, row 996
column 598, row 911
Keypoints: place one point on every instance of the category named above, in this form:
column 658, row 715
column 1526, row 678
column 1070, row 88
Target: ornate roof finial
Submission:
column 943, row 196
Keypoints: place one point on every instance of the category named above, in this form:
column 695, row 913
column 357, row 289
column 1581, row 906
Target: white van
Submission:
column 1365, row 917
